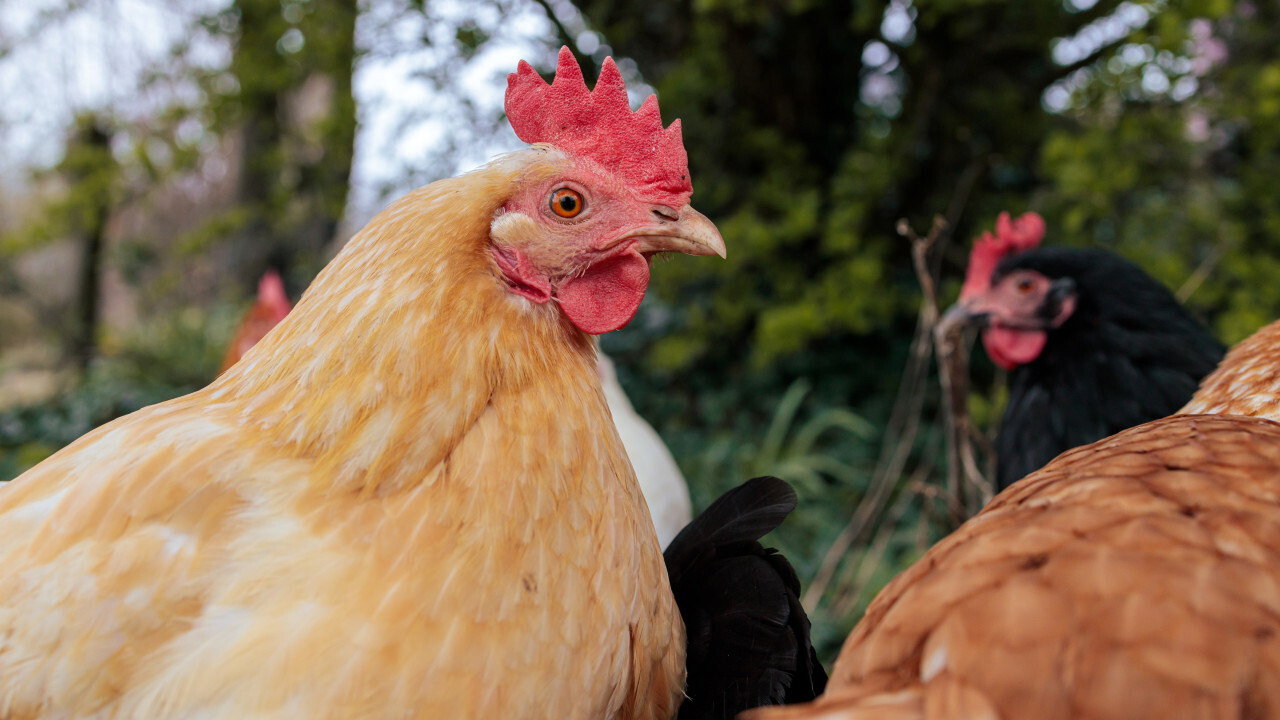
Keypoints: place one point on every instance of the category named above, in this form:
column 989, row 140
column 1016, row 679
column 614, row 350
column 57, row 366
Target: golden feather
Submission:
column 407, row 501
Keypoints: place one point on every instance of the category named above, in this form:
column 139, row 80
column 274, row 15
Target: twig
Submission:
column 920, row 247
column 899, row 437
column 959, row 451
column 904, row 423
column 1201, row 273
column 874, row 556
column 904, row 420
column 952, row 345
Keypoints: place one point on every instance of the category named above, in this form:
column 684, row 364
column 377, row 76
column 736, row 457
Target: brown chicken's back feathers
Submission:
column 1138, row 577
column 1247, row 381
column 302, row 538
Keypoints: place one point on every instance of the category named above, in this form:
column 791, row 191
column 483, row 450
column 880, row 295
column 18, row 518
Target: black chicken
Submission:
column 748, row 635
column 1093, row 344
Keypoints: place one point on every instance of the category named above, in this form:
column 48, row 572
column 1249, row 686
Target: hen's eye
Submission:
column 566, row 203
column 1024, row 286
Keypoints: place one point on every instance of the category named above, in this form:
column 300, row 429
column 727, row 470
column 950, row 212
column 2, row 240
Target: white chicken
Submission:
column 660, row 480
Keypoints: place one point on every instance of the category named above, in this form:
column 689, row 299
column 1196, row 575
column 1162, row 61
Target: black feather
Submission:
column 748, row 635
column 1130, row 353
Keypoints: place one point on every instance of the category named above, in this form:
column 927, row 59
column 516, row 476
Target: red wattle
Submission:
column 522, row 277
column 1010, row 348
column 607, row 296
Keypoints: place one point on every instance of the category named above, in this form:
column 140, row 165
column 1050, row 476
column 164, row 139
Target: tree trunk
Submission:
column 297, row 124
column 89, row 167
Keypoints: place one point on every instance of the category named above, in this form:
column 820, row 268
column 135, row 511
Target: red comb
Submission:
column 599, row 125
column 1012, row 236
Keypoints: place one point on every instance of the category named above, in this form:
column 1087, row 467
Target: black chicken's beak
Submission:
column 965, row 312
column 1061, row 291
column 690, row 233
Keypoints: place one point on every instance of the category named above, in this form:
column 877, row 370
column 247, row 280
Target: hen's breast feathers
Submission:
column 306, row 530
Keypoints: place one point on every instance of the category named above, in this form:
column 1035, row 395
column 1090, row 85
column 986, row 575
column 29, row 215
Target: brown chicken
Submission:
column 267, row 311
column 1137, row 577
column 1247, row 381
column 408, row 500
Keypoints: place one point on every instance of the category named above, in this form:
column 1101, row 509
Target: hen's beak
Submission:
column 965, row 312
column 690, row 233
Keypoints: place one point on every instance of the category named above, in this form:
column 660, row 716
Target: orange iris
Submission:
column 566, row 203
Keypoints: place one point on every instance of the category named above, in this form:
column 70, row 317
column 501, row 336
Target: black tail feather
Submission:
column 748, row 634
column 742, row 515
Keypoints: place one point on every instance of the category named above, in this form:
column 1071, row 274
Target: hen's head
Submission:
column 270, row 308
column 1017, row 306
column 609, row 190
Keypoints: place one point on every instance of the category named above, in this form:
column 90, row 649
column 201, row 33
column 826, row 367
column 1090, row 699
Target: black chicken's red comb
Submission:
column 1012, row 236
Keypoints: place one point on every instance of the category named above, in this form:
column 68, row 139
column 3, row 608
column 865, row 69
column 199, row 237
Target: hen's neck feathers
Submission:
column 404, row 339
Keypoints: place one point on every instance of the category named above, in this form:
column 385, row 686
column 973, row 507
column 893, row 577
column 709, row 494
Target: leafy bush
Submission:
column 170, row 356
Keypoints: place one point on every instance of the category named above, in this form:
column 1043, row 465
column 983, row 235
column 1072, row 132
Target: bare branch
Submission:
column 874, row 556
column 904, row 420
column 1201, row 273
column 899, row 437
column 962, row 469
column 968, row 489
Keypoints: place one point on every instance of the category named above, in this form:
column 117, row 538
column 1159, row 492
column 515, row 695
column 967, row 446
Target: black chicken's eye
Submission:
column 1024, row 286
column 566, row 203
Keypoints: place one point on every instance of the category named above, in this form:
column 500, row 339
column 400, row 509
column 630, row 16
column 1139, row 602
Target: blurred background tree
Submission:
column 286, row 98
column 203, row 141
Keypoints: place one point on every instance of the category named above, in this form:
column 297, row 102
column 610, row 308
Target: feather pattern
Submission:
column 406, row 501
column 1133, row 578
column 1129, row 354
column 1246, row 382
column 748, row 634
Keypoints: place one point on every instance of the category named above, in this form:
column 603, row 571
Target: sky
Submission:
column 93, row 58
column 404, row 121
column 417, row 121
column 54, row 69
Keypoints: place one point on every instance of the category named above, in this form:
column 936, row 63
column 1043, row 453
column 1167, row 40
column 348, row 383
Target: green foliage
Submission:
column 826, row 453
column 169, row 356
column 91, row 180
column 810, row 134
column 288, row 93
column 812, row 127
column 1176, row 182
column 830, row 445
